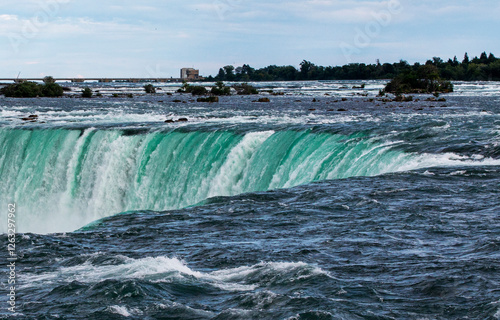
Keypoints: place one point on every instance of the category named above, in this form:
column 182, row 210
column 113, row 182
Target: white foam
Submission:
column 264, row 268
column 131, row 269
column 123, row 311
column 427, row 160
column 458, row 173
column 164, row 269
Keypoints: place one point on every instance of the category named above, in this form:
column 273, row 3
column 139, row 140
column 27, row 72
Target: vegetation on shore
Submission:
column 486, row 67
column 87, row 92
column 425, row 79
column 220, row 89
column 29, row 89
column 244, row 89
column 432, row 77
column 194, row 90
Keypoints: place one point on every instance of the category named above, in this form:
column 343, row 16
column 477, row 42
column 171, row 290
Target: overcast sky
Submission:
column 155, row 38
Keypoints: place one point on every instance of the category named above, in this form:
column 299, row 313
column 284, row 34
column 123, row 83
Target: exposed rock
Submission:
column 341, row 109
column 263, row 100
column 178, row 120
column 208, row 99
column 401, row 98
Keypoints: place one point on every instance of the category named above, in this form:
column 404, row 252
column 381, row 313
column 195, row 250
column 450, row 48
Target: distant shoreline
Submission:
column 212, row 81
column 483, row 68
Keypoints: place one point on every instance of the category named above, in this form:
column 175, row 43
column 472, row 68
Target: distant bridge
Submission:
column 80, row 80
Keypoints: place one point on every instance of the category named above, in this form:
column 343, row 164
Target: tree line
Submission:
column 484, row 67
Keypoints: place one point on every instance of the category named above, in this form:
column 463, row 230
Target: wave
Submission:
column 64, row 179
column 172, row 270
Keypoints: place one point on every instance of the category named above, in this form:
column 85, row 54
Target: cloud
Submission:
column 8, row 17
column 125, row 36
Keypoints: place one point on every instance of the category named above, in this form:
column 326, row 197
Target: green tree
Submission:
column 483, row 58
column 491, row 58
column 220, row 89
column 221, row 75
column 48, row 80
column 305, row 68
column 51, row 89
column 466, row 59
column 246, row 69
column 87, row 92
column 229, row 72
column 198, row 90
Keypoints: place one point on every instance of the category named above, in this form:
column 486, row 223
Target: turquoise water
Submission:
column 85, row 175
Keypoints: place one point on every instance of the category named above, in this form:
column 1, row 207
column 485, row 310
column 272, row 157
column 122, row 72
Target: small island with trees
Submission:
column 29, row 89
column 425, row 79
